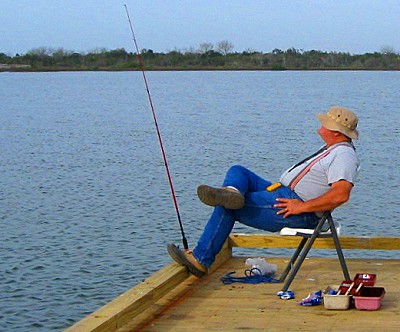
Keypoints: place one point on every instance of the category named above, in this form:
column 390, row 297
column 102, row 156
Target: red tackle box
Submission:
column 367, row 279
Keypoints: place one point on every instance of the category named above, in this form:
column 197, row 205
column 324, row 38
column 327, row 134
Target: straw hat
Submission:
column 340, row 119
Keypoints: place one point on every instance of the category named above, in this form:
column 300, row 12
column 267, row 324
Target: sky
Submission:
column 353, row 26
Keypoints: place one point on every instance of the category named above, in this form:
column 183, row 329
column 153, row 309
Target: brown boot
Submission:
column 226, row 197
column 187, row 259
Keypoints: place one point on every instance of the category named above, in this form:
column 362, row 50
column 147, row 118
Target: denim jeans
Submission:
column 258, row 212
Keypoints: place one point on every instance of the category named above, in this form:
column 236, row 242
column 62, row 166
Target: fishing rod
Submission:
column 141, row 65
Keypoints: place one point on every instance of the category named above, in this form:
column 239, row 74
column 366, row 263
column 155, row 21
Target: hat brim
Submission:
column 336, row 126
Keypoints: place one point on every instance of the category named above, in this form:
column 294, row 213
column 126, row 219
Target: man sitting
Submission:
column 321, row 182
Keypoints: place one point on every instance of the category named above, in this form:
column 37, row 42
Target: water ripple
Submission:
column 86, row 210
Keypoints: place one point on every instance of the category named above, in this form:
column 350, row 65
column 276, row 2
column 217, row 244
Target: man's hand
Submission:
column 339, row 194
column 289, row 206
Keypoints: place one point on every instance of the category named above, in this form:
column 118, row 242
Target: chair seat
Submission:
column 307, row 232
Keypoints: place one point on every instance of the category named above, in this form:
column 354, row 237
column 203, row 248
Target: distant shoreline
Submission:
column 44, row 70
column 44, row 60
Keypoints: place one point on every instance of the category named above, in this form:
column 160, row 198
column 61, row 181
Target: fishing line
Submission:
column 141, row 65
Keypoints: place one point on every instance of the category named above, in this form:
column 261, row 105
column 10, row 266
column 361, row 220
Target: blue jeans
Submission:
column 258, row 212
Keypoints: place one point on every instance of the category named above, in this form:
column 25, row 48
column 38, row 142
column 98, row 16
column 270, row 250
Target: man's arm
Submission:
column 339, row 194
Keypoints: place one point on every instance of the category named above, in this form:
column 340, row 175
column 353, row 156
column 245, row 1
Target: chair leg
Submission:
column 302, row 256
column 339, row 250
column 296, row 254
column 297, row 265
column 304, row 247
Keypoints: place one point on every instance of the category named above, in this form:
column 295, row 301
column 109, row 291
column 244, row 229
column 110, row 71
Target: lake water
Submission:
column 85, row 206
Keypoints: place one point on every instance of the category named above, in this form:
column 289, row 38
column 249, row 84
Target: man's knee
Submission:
column 238, row 168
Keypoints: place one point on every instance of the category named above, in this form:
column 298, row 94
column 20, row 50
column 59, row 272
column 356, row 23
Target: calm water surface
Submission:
column 85, row 207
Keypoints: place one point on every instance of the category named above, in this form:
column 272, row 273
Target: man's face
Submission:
column 327, row 135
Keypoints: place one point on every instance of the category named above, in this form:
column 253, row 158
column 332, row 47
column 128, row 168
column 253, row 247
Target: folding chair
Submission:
column 326, row 227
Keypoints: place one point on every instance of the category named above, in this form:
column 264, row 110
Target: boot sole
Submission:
column 178, row 256
column 220, row 197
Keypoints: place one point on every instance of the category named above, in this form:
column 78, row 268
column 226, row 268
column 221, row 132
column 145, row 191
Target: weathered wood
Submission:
column 347, row 242
column 180, row 303
column 209, row 305
column 133, row 302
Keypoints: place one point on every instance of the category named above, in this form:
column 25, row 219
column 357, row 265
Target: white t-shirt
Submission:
column 340, row 164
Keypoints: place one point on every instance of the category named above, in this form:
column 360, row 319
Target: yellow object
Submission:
column 274, row 186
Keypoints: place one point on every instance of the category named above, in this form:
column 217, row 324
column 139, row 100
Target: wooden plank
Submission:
column 213, row 306
column 123, row 310
column 347, row 242
column 139, row 298
column 128, row 305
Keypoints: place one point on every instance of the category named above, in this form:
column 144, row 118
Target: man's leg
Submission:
column 258, row 212
column 222, row 219
column 238, row 181
column 217, row 230
column 244, row 180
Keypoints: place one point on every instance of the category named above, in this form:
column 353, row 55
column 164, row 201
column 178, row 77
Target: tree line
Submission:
column 206, row 57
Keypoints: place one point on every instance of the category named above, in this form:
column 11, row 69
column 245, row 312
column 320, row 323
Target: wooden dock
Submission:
column 172, row 300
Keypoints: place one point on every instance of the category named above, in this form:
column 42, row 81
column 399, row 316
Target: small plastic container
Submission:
column 370, row 298
column 336, row 302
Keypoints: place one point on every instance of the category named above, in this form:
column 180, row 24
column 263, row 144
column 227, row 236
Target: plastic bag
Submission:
column 260, row 266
